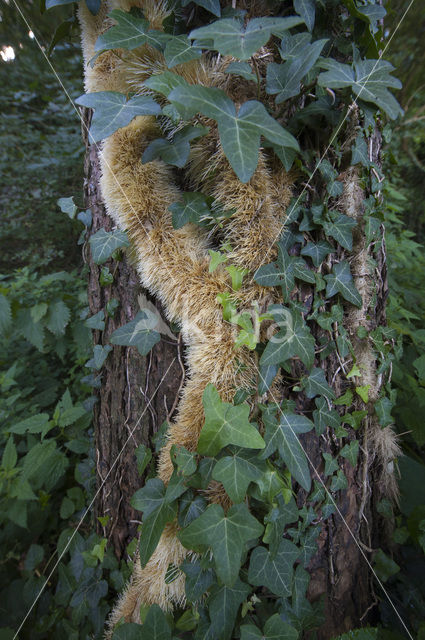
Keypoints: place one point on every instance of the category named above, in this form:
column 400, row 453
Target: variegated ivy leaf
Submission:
column 112, row 111
column 239, row 133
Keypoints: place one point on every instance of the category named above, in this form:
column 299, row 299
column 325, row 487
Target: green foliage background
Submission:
column 47, row 471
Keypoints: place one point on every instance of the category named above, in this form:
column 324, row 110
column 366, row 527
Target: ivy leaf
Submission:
column 341, row 281
column 104, row 243
column 100, row 354
column 157, row 512
column 129, row 33
column 213, row 6
column 283, row 272
column 317, row 251
column 351, row 452
column 112, row 111
column 236, row 472
column 230, row 37
column 138, row 333
column 179, row 50
column 317, row 385
column 284, row 79
column 175, row 152
column 274, row 573
column 192, row 209
column 280, row 515
column 325, row 417
column 197, row 580
column 242, row 69
column 274, row 629
column 96, row 321
column 164, row 83
column 226, row 534
column 307, row 10
column 282, row 436
column 342, row 230
column 293, row 340
column 223, row 605
column 239, row 133
column 226, row 424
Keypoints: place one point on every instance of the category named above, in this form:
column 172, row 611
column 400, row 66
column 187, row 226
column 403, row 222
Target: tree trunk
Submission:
column 137, row 393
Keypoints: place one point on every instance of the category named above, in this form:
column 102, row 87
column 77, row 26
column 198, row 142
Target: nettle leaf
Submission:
column 317, row 251
column 275, row 573
column 223, row 604
column 274, row 629
column 341, row 281
column 192, row 209
column 58, row 317
column 226, row 534
column 342, row 230
column 317, row 385
column 138, row 333
column 282, row 436
column 5, row 313
column 35, row 424
column 230, row 37
column 213, row 6
column 179, row 50
column 307, row 10
column 157, row 512
column 236, row 472
column 285, row 79
column 369, row 81
column 226, row 424
column 104, row 243
column 293, row 340
column 176, row 151
column 113, row 111
column 129, row 33
column 239, row 133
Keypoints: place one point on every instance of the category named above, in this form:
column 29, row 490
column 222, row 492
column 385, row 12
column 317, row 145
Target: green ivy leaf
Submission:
column 317, row 385
column 383, row 408
column 138, row 333
column 198, row 580
column 97, row 321
column 339, row 482
column 239, row 133
column 226, row 424
column 282, row 436
column 331, row 464
column 275, row 573
column 230, row 37
column 192, row 209
column 274, row 629
column 242, row 69
column 129, row 33
column 236, row 472
column 317, row 251
column 307, row 10
column 226, row 534
column 351, row 452
column 342, row 230
column 223, row 605
column 179, row 50
column 280, row 515
column 112, row 111
column 325, row 417
column 293, row 340
column 213, row 6
column 341, row 281
column 104, row 243
column 175, row 152
column 100, row 353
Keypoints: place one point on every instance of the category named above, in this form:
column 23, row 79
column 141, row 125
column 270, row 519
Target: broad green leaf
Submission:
column 282, row 436
column 193, row 208
column 58, row 317
column 138, row 333
column 129, row 33
column 284, row 79
column 226, row 424
column 341, row 281
column 213, row 6
column 104, row 243
column 237, row 471
column 275, row 573
column 239, row 133
column 230, row 37
column 179, row 50
column 293, row 340
column 223, row 604
column 38, row 311
column 226, row 534
column 307, row 10
column 34, row 424
column 317, row 251
column 5, row 314
column 317, row 385
column 342, row 230
column 112, row 111
column 32, row 331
